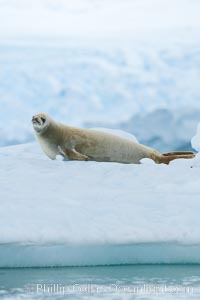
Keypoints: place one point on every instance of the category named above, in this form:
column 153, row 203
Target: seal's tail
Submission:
column 167, row 157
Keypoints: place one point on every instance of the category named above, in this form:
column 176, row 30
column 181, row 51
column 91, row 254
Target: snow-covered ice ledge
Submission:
column 56, row 213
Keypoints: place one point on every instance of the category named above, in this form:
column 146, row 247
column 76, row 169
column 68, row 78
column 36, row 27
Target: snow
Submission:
column 196, row 144
column 196, row 140
column 61, row 213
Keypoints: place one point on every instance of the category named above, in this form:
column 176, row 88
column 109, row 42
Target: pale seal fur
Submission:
column 87, row 144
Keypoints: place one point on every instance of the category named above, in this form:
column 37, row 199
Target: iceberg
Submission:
column 70, row 213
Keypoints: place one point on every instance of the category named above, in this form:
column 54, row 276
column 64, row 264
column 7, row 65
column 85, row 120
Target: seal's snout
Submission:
column 40, row 120
column 33, row 120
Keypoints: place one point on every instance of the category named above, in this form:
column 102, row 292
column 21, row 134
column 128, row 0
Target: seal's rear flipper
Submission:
column 167, row 157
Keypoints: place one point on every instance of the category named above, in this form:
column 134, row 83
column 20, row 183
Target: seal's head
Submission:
column 40, row 122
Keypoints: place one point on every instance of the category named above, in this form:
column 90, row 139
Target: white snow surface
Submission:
column 61, row 213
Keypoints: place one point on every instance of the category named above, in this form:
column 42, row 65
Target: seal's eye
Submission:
column 43, row 120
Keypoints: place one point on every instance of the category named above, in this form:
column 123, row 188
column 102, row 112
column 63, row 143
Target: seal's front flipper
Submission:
column 167, row 157
column 74, row 155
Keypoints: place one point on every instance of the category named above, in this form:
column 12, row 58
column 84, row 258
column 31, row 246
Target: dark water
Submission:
column 110, row 282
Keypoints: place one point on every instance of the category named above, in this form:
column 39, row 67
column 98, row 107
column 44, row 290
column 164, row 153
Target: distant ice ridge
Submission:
column 131, row 64
column 56, row 213
column 151, row 90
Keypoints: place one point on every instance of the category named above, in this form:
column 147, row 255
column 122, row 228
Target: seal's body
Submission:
column 87, row 144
